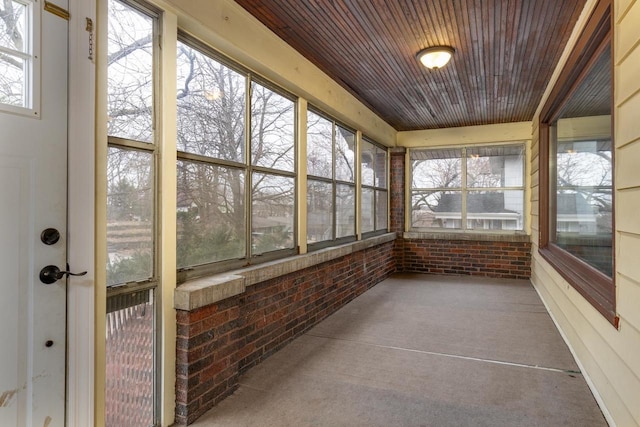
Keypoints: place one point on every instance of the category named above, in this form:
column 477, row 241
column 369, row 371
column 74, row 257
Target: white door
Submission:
column 33, row 198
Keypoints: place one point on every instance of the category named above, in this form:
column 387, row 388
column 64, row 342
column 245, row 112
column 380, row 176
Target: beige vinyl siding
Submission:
column 608, row 357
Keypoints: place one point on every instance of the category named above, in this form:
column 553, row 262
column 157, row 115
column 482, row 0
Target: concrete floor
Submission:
column 420, row 350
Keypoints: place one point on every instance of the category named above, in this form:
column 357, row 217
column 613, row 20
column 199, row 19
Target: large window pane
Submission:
column 381, row 210
column 584, row 209
column 444, row 197
column 12, row 26
column 436, row 209
column 582, row 213
column 495, row 210
column 494, row 167
column 211, row 106
column 217, row 221
column 130, row 227
column 367, row 163
column 273, row 213
column 211, row 219
column 368, row 210
column 13, row 77
column 319, row 146
column 319, row 211
column 345, row 154
column 436, row 168
column 129, row 380
column 345, row 210
column 272, row 129
column 374, row 200
column 381, row 167
column 130, row 73
column 331, row 154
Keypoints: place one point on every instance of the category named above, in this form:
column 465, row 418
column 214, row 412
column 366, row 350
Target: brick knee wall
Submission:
column 208, row 340
column 499, row 259
column 218, row 342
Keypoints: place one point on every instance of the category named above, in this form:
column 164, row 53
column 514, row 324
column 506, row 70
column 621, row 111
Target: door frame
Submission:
column 81, row 216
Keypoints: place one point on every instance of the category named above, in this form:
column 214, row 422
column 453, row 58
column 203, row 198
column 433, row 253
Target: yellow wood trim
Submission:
column 57, row 10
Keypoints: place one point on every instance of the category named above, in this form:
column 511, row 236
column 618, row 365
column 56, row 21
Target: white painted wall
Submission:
column 608, row 357
column 466, row 135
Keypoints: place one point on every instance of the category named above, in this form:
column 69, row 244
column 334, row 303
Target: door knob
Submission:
column 51, row 274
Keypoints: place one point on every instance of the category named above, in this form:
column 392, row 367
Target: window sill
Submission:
column 595, row 287
column 204, row 291
column 515, row 237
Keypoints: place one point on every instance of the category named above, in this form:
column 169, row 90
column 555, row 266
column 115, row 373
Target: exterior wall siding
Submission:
column 607, row 356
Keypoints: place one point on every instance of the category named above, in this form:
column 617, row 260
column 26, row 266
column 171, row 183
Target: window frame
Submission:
column 375, row 188
column 596, row 287
column 249, row 169
column 152, row 283
column 464, row 189
column 147, row 147
column 334, row 182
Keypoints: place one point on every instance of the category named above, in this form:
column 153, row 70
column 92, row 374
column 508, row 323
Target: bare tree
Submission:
column 587, row 173
column 434, row 174
column 212, row 100
column 12, row 67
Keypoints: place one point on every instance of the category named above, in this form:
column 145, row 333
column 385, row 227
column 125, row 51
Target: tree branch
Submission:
column 9, row 19
column 126, row 50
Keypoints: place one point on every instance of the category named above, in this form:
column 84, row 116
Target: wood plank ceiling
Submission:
column 506, row 51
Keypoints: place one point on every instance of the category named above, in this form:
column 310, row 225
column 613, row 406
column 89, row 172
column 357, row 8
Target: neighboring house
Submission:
column 575, row 214
column 270, row 225
column 488, row 211
column 484, row 211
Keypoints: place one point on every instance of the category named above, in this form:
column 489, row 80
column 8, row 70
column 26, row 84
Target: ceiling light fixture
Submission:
column 435, row 57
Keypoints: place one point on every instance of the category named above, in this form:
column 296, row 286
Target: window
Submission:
column 582, row 207
column 19, row 40
column 576, row 168
column 331, row 190
column 236, row 165
column 468, row 188
column 131, row 387
column 373, row 172
column 130, row 169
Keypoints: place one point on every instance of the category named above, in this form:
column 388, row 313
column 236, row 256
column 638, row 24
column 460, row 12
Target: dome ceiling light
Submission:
column 435, row 57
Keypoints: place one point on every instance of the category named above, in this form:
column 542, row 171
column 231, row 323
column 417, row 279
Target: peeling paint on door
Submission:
column 6, row 397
